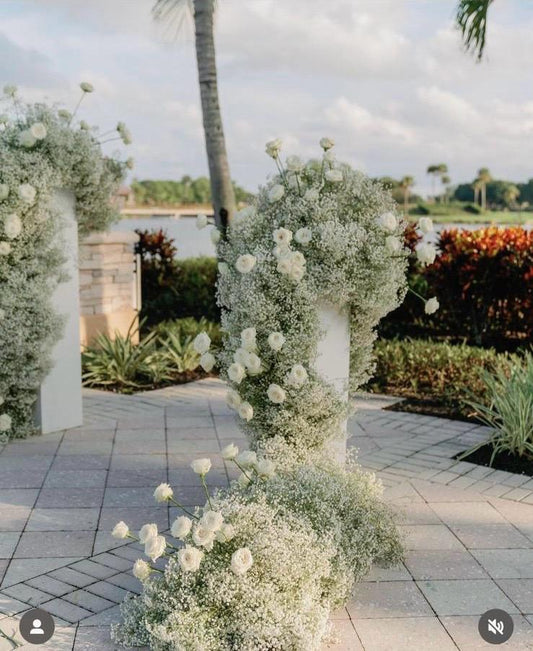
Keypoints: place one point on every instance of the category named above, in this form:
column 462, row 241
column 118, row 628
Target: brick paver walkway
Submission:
column 469, row 530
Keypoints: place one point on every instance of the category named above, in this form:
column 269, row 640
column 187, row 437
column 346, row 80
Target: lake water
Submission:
column 191, row 242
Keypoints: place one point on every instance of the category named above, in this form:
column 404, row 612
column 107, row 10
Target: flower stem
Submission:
column 11, row 639
column 171, row 499
column 417, row 294
column 242, row 469
column 76, row 107
column 206, row 492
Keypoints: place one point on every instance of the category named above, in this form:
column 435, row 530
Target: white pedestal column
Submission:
column 59, row 405
column 333, row 361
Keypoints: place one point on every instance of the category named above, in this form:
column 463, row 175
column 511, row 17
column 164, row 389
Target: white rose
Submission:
column 276, row 394
column 212, row 520
column 327, row 143
column 201, row 466
column 280, row 250
column 203, row 537
column 147, row 531
column 141, row 570
column 27, row 139
column 432, row 305
column 392, row 244
column 333, row 176
column 329, row 156
column 236, row 373
column 312, row 194
column 5, row 248
column 207, row 362
column 426, row 253
column 247, row 459
column 86, row 87
column 243, row 480
column 303, row 235
column 201, row 221
column 294, row 164
column 130, row 162
column 223, row 268
column 276, row 340
column 275, row 193
column 27, row 192
column 201, row 343
column 248, row 338
column 297, row 273
column 253, row 364
column 226, row 533
column 284, row 265
column 273, row 147
column 120, row 530
column 265, row 468
column 245, row 263
column 64, row 114
column 190, row 558
column 84, row 126
column 4, row 191
column 233, row 399
column 181, row 527
column 241, row 561
column 215, row 235
column 292, row 181
column 298, row 376
column 388, row 221
column 282, row 236
column 246, row 411
column 240, row 356
column 230, row 452
column 12, row 226
column 38, row 130
column 425, row 224
column 155, row 547
column 163, row 493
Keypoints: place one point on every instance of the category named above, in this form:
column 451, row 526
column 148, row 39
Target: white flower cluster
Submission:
column 40, row 151
column 262, row 565
column 319, row 232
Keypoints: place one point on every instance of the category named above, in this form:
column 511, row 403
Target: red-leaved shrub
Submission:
column 484, row 282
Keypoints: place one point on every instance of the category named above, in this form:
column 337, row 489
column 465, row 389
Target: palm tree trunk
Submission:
column 484, row 196
column 405, row 200
column 222, row 194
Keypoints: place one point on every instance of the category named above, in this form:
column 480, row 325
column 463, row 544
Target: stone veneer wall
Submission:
column 108, row 284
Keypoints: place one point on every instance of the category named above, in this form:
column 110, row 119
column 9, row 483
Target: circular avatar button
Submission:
column 495, row 626
column 37, row 626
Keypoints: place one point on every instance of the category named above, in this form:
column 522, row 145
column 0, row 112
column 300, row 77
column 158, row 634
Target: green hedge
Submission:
column 433, row 371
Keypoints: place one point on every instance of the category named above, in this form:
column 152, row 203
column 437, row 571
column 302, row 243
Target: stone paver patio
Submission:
column 468, row 529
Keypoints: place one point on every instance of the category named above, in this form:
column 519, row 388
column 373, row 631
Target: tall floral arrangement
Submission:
column 262, row 563
column 41, row 149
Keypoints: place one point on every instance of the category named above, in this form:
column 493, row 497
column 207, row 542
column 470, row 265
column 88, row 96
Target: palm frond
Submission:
column 471, row 19
column 174, row 15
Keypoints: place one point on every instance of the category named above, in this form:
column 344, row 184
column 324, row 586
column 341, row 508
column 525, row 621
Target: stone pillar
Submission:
column 333, row 360
column 59, row 405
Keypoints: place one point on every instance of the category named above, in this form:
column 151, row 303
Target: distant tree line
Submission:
column 174, row 193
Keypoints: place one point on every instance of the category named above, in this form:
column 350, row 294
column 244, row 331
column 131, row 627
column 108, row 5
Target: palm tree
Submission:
column 222, row 193
column 484, row 177
column 471, row 19
column 435, row 171
column 510, row 195
column 445, row 180
column 406, row 184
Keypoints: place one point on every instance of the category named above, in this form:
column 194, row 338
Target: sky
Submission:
column 387, row 79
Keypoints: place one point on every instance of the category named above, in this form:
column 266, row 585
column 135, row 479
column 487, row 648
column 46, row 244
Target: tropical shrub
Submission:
column 436, row 371
column 484, row 280
column 41, row 150
column 506, row 406
column 165, row 355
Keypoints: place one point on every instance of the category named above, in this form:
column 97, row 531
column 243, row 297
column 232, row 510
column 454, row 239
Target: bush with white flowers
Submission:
column 263, row 563
column 41, row 149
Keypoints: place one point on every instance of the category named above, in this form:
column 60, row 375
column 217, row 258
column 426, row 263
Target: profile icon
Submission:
column 37, row 626
column 36, row 630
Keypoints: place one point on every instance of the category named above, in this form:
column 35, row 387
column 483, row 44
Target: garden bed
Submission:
column 502, row 461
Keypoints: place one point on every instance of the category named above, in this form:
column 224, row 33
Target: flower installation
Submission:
column 42, row 149
column 262, row 564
